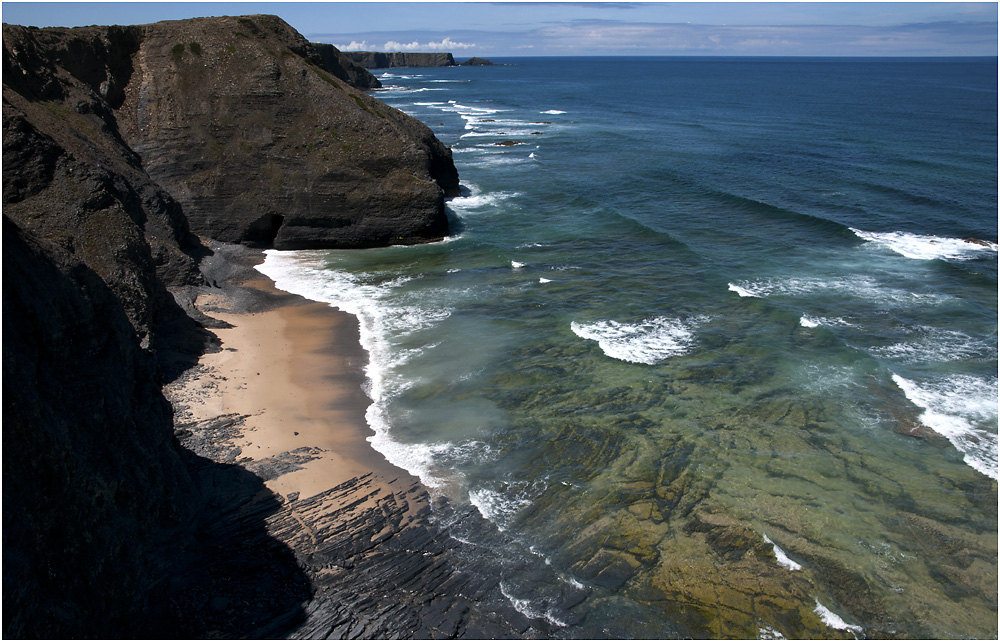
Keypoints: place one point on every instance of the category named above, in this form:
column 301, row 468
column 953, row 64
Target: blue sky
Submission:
column 587, row 28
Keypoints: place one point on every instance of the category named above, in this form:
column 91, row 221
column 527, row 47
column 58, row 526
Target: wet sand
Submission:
column 296, row 373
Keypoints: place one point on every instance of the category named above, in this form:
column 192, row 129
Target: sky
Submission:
column 503, row 29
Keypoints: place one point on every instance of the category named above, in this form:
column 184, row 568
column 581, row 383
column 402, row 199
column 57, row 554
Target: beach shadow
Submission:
column 238, row 581
column 111, row 528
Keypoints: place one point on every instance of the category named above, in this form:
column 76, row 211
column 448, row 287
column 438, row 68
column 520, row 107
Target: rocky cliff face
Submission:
column 120, row 145
column 260, row 144
column 381, row 60
column 69, row 177
column 343, row 67
column 253, row 131
column 95, row 496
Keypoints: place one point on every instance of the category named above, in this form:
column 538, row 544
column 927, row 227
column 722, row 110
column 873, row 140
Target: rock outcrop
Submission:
column 341, row 66
column 384, row 60
column 252, row 130
column 476, row 61
column 69, row 178
column 107, row 520
column 95, row 496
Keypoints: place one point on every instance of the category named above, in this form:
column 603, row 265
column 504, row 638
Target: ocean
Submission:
column 712, row 347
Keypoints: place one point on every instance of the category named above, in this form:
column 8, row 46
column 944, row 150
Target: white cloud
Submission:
column 354, row 46
column 392, row 45
column 447, row 44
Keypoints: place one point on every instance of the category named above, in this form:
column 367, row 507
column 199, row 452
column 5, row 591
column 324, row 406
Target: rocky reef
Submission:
column 476, row 61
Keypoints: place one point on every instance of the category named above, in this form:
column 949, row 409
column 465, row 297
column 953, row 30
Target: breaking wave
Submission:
column 651, row 341
column 960, row 408
column 928, row 247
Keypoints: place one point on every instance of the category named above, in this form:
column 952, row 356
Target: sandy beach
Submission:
column 296, row 373
column 283, row 397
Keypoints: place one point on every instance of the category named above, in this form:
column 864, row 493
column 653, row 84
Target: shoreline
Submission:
column 296, row 373
column 282, row 398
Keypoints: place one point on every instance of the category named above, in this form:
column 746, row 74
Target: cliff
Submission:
column 343, row 67
column 81, row 409
column 380, row 60
column 121, row 146
column 247, row 126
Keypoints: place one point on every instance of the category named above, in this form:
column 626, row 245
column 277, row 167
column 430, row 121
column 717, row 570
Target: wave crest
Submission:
column 651, row 341
column 927, row 246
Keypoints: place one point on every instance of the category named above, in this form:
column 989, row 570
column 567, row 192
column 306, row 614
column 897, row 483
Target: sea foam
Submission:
column 857, row 286
column 529, row 610
column 833, row 620
column 814, row 322
column 959, row 408
column 364, row 295
column 940, row 345
column 651, row 341
column 782, row 557
column 928, row 247
column 742, row 291
column 475, row 200
column 495, row 506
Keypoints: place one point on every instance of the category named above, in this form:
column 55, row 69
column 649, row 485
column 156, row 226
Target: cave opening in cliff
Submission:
column 263, row 231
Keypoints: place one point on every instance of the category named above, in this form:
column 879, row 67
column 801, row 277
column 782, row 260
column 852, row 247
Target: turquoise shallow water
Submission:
column 714, row 343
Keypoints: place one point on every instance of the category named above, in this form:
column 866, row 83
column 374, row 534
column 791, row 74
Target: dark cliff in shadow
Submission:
column 251, row 129
column 123, row 148
column 111, row 529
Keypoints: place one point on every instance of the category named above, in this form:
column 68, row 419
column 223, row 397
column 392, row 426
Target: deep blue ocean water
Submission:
column 713, row 344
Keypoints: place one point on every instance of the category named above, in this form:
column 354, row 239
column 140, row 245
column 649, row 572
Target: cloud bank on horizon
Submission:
column 686, row 28
column 588, row 28
column 445, row 44
column 596, row 38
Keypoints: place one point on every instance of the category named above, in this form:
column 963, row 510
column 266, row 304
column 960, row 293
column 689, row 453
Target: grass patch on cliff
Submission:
column 249, row 24
column 77, row 121
column 326, row 77
column 177, row 51
column 362, row 105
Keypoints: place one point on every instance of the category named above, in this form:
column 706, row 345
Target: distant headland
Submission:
column 385, row 60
